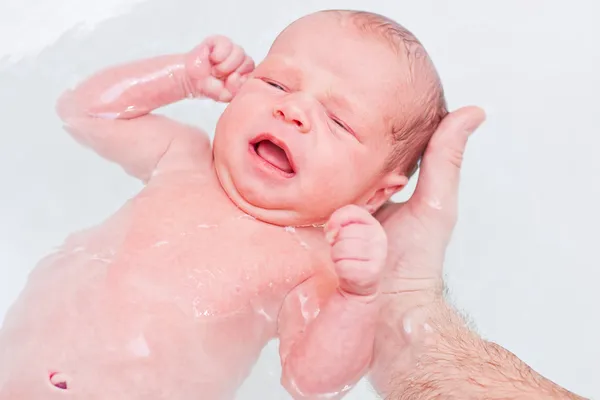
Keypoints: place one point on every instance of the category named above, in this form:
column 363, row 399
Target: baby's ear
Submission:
column 388, row 185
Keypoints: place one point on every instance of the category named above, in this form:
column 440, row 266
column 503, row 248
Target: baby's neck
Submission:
column 278, row 217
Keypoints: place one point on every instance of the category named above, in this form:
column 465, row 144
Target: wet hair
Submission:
column 418, row 118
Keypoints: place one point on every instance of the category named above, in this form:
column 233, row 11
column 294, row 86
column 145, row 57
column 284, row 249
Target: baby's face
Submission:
column 309, row 132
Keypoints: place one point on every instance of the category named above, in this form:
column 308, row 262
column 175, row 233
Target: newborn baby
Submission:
column 268, row 234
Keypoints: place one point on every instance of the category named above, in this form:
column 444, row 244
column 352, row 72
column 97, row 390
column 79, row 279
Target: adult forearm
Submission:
column 442, row 359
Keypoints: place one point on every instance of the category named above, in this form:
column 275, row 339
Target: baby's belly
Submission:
column 75, row 330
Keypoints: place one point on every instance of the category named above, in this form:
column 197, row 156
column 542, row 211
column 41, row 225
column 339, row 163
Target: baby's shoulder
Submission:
column 190, row 149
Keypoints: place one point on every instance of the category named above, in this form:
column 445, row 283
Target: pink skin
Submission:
column 333, row 119
column 419, row 232
column 153, row 302
column 358, row 251
column 337, row 347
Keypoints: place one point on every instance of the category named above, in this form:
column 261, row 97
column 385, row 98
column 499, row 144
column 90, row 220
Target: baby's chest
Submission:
column 219, row 267
column 189, row 245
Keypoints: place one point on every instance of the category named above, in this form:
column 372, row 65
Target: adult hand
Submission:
column 419, row 230
column 423, row 350
column 418, row 233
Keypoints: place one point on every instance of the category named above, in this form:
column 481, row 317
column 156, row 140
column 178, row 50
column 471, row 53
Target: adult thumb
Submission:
column 440, row 168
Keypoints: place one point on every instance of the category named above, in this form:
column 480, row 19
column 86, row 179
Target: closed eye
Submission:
column 342, row 125
column 275, row 85
column 339, row 123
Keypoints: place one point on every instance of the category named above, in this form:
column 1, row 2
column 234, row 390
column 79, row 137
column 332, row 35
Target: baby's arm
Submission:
column 327, row 329
column 109, row 112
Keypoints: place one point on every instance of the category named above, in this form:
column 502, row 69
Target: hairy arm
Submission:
column 441, row 358
column 423, row 348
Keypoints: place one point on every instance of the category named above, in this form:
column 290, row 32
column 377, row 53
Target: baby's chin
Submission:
column 260, row 210
column 284, row 218
column 274, row 216
column 254, row 204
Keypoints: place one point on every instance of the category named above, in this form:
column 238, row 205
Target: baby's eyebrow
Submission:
column 338, row 100
column 282, row 65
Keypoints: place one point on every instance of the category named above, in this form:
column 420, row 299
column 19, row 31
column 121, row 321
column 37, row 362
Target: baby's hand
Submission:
column 358, row 250
column 217, row 68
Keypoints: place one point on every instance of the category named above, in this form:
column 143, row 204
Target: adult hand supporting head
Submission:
column 418, row 234
column 419, row 230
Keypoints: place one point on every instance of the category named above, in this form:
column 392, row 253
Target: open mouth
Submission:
column 274, row 153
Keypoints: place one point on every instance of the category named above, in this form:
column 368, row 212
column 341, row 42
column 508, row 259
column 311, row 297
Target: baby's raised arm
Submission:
column 327, row 329
column 109, row 112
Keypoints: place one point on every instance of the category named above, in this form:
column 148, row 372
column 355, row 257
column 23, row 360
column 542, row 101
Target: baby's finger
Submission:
column 345, row 216
column 231, row 63
column 214, row 88
column 221, row 48
column 369, row 233
column 234, row 82
column 352, row 249
column 358, row 277
column 225, row 97
column 246, row 67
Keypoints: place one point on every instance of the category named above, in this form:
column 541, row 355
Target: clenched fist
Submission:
column 217, row 68
column 358, row 250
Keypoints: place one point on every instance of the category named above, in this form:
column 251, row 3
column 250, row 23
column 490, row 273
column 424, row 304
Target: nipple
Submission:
column 59, row 380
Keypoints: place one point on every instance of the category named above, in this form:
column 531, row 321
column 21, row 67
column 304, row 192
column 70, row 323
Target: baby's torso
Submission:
column 178, row 286
column 208, row 257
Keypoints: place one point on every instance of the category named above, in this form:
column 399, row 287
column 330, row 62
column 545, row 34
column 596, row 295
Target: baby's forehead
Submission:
column 342, row 47
column 376, row 75
column 374, row 61
column 365, row 64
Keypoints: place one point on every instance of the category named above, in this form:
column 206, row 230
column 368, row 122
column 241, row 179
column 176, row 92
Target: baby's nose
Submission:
column 294, row 114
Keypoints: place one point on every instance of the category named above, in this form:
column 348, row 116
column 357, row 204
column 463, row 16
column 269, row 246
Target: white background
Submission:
column 524, row 262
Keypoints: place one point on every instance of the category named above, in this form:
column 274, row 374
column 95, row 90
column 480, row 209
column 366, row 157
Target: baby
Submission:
column 268, row 234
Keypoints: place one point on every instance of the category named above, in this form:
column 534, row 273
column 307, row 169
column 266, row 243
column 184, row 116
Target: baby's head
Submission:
column 339, row 112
